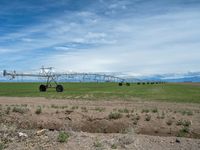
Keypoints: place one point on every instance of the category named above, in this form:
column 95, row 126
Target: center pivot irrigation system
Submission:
column 52, row 78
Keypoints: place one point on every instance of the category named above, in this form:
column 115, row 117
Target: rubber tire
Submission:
column 59, row 88
column 42, row 88
column 120, row 84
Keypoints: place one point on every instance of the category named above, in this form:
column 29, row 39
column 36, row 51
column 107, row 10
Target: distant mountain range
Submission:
column 171, row 77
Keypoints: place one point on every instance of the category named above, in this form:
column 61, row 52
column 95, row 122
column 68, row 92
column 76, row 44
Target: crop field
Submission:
column 171, row 92
column 100, row 116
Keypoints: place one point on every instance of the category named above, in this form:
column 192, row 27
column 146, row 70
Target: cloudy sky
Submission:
column 133, row 36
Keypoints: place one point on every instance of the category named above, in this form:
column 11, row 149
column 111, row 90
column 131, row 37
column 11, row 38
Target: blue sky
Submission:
column 133, row 36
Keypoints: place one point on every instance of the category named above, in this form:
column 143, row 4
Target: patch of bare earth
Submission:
column 98, row 124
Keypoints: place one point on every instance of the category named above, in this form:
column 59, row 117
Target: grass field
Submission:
column 108, row 91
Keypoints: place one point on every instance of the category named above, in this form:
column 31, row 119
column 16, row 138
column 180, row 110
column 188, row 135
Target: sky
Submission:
column 129, row 36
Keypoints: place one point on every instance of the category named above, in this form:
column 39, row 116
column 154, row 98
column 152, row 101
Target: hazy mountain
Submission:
column 172, row 77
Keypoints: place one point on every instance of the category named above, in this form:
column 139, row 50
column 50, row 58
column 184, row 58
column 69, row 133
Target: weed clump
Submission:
column 114, row 115
column 162, row 115
column 155, row 110
column 125, row 110
column 74, row 107
column 185, row 123
column 147, row 118
column 100, row 109
column 182, row 132
column 8, row 110
column 63, row 107
column 24, row 105
column 145, row 110
column 97, row 144
column 19, row 110
column 2, row 146
column 38, row 110
column 63, row 137
column 179, row 123
column 187, row 112
column 54, row 106
column 136, row 117
column 113, row 146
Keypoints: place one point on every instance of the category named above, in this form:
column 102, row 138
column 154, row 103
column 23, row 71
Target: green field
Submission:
column 107, row 91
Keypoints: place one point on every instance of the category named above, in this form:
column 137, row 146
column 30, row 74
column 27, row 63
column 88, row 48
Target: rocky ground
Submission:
column 39, row 123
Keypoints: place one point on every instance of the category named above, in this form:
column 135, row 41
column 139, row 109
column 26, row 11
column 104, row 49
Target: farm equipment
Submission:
column 51, row 78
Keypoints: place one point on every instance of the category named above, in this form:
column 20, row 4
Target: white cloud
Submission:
column 4, row 50
column 149, row 44
column 91, row 35
column 62, row 48
column 27, row 40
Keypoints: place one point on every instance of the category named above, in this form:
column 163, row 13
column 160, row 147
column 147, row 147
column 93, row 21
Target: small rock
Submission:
column 178, row 141
column 83, row 134
column 21, row 134
column 41, row 132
